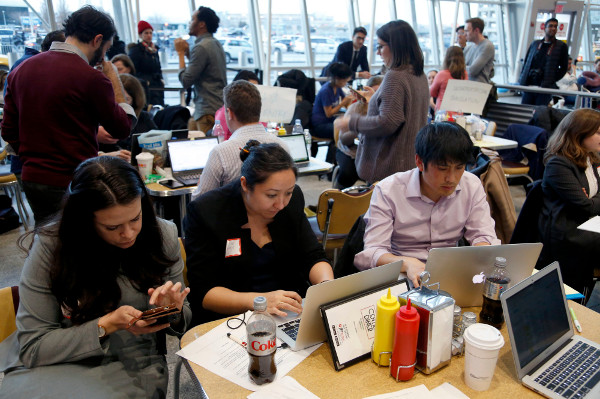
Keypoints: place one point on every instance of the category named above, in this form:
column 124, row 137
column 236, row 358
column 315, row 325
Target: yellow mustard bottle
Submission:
column 387, row 306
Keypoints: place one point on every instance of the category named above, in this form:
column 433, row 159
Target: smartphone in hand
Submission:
column 360, row 97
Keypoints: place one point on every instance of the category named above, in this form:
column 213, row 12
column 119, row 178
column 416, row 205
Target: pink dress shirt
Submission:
column 403, row 222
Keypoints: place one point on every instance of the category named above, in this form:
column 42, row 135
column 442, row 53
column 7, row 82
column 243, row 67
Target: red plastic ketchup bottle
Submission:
column 404, row 354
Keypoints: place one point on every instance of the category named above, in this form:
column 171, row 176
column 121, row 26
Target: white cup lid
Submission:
column 144, row 155
column 484, row 336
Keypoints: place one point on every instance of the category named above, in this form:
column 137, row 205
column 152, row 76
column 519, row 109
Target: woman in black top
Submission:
column 147, row 63
column 251, row 238
column 571, row 197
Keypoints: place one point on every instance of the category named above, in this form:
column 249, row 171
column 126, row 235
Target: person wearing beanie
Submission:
column 147, row 64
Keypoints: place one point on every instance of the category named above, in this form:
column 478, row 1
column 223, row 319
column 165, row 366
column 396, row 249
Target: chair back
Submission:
column 9, row 303
column 347, row 207
column 526, row 228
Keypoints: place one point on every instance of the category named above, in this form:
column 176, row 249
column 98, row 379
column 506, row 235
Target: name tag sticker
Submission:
column 233, row 247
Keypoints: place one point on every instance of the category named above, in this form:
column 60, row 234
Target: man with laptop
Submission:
column 433, row 205
column 242, row 112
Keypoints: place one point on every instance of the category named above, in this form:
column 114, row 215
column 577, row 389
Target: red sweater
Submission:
column 53, row 105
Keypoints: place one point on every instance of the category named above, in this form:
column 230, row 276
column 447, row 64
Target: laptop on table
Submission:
column 188, row 158
column 297, row 145
column 302, row 331
column 461, row 270
column 548, row 356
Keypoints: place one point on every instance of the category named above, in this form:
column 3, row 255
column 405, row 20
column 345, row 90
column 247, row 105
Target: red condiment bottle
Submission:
column 406, row 334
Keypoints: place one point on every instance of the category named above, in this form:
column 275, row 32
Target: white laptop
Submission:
column 461, row 270
column 549, row 358
column 297, row 145
column 302, row 331
column 189, row 157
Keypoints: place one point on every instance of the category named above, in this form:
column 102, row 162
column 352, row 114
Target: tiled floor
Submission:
column 12, row 258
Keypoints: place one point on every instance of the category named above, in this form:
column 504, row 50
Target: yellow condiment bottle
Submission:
column 282, row 131
column 387, row 306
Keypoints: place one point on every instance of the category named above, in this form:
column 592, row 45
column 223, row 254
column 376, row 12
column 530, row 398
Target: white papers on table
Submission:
column 591, row 225
column 444, row 391
column 222, row 356
column 283, row 388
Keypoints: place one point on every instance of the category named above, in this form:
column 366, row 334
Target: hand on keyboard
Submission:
column 279, row 302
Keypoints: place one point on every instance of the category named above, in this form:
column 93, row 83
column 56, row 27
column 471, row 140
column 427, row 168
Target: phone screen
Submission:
column 172, row 184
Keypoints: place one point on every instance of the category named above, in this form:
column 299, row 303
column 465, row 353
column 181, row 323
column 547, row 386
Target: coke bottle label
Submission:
column 493, row 288
column 261, row 344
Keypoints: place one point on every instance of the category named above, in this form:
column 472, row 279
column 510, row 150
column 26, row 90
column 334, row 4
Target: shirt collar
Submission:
column 68, row 48
column 202, row 36
column 248, row 130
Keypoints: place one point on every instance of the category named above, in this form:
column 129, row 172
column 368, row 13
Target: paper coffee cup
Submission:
column 145, row 161
column 482, row 345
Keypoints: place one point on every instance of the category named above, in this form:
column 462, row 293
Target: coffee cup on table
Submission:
column 145, row 162
column 482, row 345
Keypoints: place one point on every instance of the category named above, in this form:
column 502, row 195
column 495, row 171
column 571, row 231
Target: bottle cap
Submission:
column 388, row 300
column 298, row 122
column 500, row 262
column 260, row 303
column 408, row 311
column 217, row 122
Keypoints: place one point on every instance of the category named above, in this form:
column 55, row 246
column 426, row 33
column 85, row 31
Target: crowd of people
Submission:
column 99, row 256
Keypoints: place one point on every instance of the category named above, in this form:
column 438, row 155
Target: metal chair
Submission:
column 12, row 188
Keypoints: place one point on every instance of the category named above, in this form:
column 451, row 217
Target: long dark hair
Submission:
column 404, row 45
column 85, row 272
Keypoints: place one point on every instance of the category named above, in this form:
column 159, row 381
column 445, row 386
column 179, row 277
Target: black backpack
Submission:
column 9, row 219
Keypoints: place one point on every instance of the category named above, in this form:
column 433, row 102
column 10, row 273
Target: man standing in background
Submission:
column 546, row 63
column 54, row 103
column 206, row 71
column 480, row 56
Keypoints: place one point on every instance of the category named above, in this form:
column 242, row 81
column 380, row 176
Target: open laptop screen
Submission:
column 297, row 146
column 538, row 318
column 190, row 154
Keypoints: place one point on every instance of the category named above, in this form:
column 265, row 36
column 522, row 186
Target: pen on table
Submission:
column 575, row 321
column 236, row 340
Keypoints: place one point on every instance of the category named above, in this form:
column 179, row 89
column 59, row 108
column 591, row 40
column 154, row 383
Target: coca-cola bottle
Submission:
column 495, row 284
column 262, row 343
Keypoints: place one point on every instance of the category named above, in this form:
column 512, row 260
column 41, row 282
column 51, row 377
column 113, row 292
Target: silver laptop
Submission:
column 302, row 331
column 297, row 145
column 549, row 358
column 461, row 270
column 189, row 157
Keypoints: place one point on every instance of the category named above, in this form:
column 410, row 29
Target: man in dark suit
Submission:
column 354, row 54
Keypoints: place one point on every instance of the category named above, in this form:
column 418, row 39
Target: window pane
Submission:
column 328, row 28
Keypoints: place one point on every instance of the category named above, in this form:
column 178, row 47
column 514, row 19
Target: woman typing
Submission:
column 90, row 273
column 251, row 238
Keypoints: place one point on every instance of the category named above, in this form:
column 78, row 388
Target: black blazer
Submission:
column 217, row 216
column 344, row 54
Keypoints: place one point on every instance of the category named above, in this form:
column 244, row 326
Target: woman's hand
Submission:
column 279, row 301
column 123, row 154
column 121, row 318
column 367, row 92
column 347, row 101
column 167, row 294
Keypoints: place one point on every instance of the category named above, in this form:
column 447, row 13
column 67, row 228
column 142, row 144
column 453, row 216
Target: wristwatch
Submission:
column 101, row 331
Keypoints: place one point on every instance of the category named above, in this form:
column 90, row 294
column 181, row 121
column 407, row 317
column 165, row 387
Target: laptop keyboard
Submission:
column 291, row 328
column 575, row 373
column 191, row 176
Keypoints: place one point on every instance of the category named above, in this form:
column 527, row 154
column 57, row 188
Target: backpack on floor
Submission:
column 9, row 219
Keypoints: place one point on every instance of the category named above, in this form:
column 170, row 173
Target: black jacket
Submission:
column 147, row 68
column 555, row 67
column 344, row 54
column 565, row 207
column 217, row 216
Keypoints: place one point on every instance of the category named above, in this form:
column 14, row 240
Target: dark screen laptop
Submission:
column 549, row 357
column 189, row 157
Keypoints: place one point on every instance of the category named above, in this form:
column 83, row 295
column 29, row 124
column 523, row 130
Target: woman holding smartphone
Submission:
column 90, row 273
column 251, row 238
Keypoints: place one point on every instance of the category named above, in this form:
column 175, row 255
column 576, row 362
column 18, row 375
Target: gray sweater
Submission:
column 480, row 61
column 387, row 133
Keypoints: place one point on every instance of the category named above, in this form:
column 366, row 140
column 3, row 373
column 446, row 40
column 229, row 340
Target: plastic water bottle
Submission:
column 307, row 140
column 262, row 343
column 297, row 129
column 218, row 131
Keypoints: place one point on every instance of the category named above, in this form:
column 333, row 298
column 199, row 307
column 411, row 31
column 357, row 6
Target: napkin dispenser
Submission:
column 436, row 309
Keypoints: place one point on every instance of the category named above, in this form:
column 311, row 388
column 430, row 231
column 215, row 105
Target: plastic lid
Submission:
column 298, row 122
column 389, row 300
column 217, row 122
column 260, row 303
column 408, row 311
column 484, row 336
column 500, row 262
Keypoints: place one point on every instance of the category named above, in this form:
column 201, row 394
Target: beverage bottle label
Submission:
column 493, row 289
column 261, row 344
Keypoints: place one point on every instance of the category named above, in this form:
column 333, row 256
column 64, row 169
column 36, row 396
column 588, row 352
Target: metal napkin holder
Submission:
column 436, row 311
